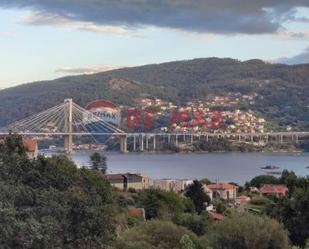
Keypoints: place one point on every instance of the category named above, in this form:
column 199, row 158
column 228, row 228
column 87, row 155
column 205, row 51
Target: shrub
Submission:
column 248, row 231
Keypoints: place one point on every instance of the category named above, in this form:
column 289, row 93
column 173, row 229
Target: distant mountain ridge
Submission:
column 283, row 89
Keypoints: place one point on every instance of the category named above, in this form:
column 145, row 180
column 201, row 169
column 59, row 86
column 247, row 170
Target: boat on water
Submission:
column 270, row 167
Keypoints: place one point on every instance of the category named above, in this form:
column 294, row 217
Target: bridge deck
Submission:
column 156, row 134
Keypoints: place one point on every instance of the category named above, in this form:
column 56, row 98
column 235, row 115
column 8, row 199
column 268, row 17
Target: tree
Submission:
column 195, row 223
column 292, row 181
column 50, row 203
column 205, row 181
column 161, row 204
column 98, row 162
column 307, row 244
column 248, row 231
column 157, row 234
column 293, row 213
column 197, row 194
column 263, row 179
column 186, row 242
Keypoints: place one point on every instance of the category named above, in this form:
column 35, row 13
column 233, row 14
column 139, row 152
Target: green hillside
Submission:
column 283, row 90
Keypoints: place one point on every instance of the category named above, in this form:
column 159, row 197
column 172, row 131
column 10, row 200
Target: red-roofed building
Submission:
column 31, row 146
column 225, row 191
column 216, row 216
column 274, row 189
column 243, row 198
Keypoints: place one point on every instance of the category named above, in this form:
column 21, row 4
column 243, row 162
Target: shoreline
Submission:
column 180, row 152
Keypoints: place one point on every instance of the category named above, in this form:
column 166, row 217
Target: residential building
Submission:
column 128, row 180
column 182, row 184
column 225, row 191
column 274, row 189
column 254, row 190
column 177, row 185
column 165, row 184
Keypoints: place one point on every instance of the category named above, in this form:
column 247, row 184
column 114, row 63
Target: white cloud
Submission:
column 57, row 20
column 87, row 69
column 303, row 34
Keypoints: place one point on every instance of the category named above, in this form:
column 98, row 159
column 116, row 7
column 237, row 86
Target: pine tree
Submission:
column 98, row 162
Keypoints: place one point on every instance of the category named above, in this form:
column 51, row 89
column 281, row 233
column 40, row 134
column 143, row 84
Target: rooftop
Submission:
column 274, row 189
column 31, row 145
column 221, row 186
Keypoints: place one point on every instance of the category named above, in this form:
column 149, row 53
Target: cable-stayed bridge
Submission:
column 69, row 119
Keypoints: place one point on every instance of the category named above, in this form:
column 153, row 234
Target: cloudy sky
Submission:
column 46, row 39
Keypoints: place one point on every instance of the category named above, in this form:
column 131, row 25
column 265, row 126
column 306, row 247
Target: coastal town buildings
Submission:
column 213, row 114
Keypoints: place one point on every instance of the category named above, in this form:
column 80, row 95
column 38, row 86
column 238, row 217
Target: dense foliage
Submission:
column 161, row 204
column 49, row 203
column 282, row 90
column 295, row 215
column 248, row 231
column 157, row 234
column 293, row 212
column 194, row 222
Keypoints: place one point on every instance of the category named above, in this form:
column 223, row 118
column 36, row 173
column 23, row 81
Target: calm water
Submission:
column 237, row 167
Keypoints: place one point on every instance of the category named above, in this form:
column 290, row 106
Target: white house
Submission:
column 225, row 191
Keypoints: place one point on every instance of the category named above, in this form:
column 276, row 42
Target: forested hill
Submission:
column 283, row 91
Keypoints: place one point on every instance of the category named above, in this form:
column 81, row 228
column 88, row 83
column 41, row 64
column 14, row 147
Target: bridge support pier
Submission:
column 169, row 138
column 134, row 143
column 154, row 143
column 279, row 139
column 295, row 139
column 141, row 148
column 123, row 144
column 68, row 141
column 147, row 142
column 68, row 144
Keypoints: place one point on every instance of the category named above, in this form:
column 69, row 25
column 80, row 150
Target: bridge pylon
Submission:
column 68, row 113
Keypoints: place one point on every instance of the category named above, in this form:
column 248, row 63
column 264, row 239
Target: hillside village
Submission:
column 218, row 114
